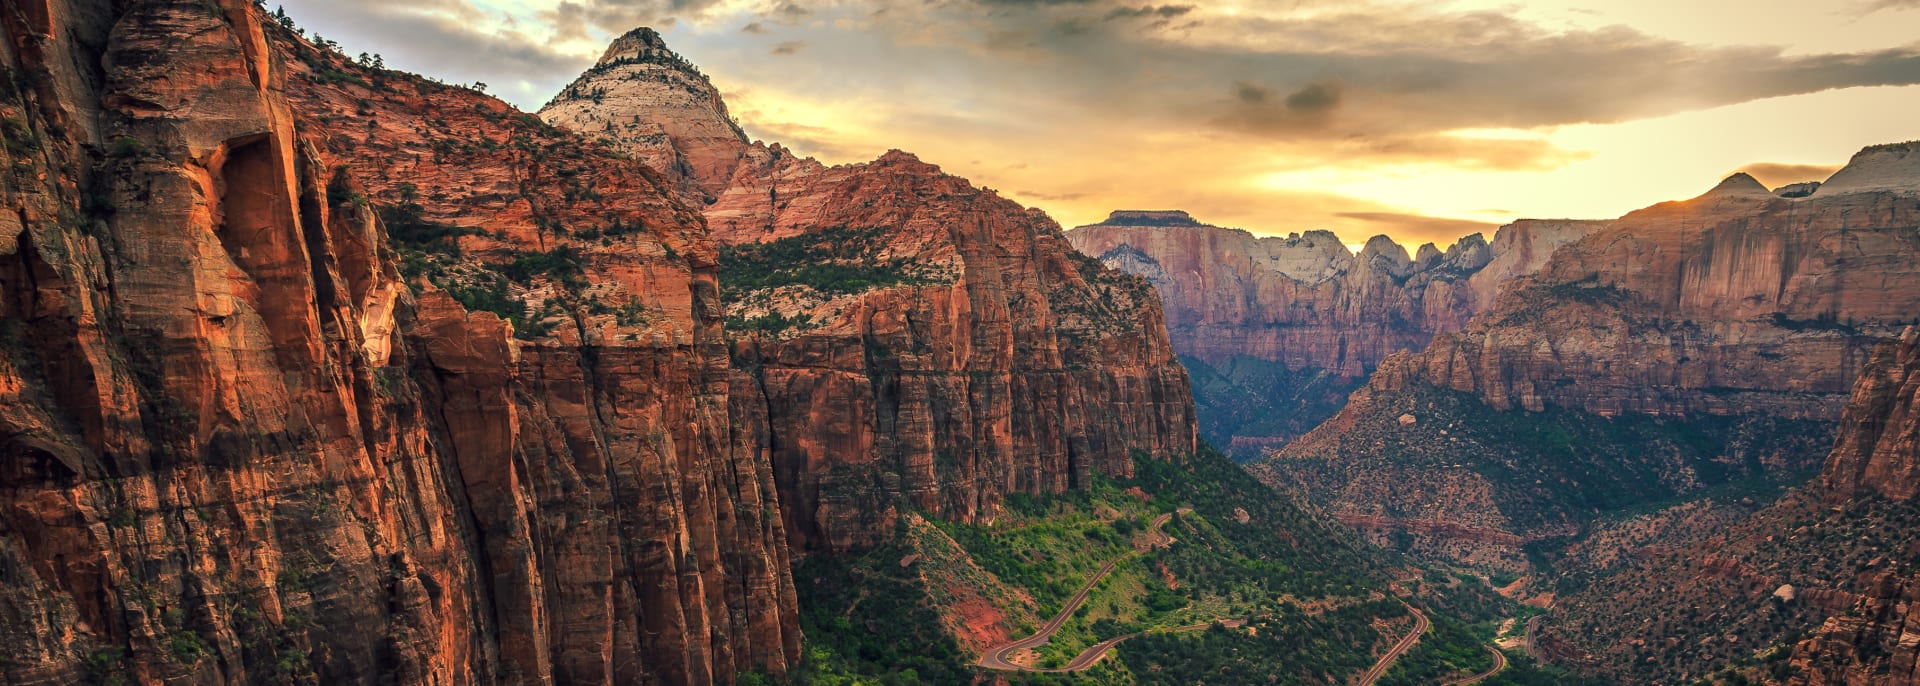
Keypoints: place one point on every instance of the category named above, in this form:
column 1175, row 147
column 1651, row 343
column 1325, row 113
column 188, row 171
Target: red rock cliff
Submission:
column 1305, row 300
column 245, row 440
column 1740, row 313
column 915, row 342
column 1877, row 455
column 1737, row 301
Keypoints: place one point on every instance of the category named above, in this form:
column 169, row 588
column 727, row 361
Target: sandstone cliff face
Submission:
column 1305, row 299
column 1306, row 303
column 1875, row 456
column 911, row 341
column 1728, row 328
column 682, row 128
column 1738, row 301
column 1878, row 451
column 245, row 440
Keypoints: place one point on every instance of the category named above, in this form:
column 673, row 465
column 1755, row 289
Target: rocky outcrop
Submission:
column 911, row 341
column 1737, row 301
column 314, row 373
column 1326, row 315
column 685, row 130
column 1307, row 300
column 1878, row 451
column 1875, row 456
column 1739, row 315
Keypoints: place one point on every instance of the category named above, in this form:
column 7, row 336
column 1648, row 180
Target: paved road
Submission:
column 1533, row 625
column 1413, row 637
column 999, row 657
column 1499, row 663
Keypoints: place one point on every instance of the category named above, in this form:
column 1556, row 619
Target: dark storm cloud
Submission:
column 1315, row 97
column 1162, row 12
column 1355, row 70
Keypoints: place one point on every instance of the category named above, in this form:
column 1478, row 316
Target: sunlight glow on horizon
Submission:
column 850, row 90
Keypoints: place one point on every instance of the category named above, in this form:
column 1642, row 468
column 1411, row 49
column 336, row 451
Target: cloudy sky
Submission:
column 1422, row 120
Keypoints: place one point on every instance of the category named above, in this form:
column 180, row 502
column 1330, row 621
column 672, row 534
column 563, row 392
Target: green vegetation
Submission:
column 868, row 620
column 1448, row 651
column 1310, row 591
column 1050, row 545
column 1291, row 647
column 126, row 147
column 835, row 261
column 829, row 263
column 1525, row 671
column 1828, row 320
column 21, row 139
column 1590, row 291
column 1547, row 468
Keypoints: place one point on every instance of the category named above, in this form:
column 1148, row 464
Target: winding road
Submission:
column 999, row 657
column 1413, row 637
column 1499, row 663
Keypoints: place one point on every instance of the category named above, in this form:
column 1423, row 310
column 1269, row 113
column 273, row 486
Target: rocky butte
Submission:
column 1278, row 330
column 902, row 339
column 318, row 373
column 1685, row 345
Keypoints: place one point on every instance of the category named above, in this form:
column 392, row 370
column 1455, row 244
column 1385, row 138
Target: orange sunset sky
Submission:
column 1420, row 120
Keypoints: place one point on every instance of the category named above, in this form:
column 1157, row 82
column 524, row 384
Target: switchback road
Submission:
column 1000, row 657
column 1499, row 663
column 1420, row 625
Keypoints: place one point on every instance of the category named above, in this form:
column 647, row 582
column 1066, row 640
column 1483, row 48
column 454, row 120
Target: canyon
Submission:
column 1690, row 345
column 1819, row 585
column 251, row 440
column 317, row 372
column 320, row 372
column 1277, row 331
column 904, row 340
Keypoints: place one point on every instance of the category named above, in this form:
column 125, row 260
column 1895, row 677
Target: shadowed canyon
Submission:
column 316, row 371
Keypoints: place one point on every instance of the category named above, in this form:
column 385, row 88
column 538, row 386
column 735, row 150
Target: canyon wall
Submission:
column 1685, row 345
column 1278, row 330
column 1875, row 456
column 905, row 340
column 1821, row 584
column 313, row 374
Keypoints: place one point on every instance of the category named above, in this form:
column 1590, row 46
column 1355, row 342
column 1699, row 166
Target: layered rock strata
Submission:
column 1725, row 330
column 1305, row 299
column 311, row 374
column 1278, row 330
column 1822, row 584
column 907, row 341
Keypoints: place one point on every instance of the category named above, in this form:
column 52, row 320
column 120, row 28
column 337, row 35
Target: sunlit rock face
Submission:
column 1741, row 317
column 902, row 339
column 1307, row 300
column 1278, row 330
column 255, row 432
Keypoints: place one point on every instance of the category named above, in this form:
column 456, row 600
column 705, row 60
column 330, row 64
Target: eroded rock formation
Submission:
column 248, row 439
column 1822, row 583
column 1325, row 315
column 907, row 340
column 1723, row 332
